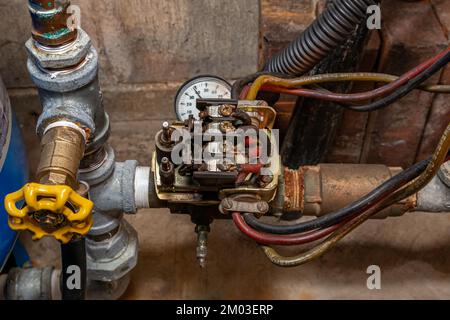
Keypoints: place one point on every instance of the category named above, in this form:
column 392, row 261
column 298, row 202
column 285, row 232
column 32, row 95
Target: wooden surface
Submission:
column 396, row 132
column 440, row 109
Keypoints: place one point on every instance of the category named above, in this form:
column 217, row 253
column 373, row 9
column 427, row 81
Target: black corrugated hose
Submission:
column 331, row 29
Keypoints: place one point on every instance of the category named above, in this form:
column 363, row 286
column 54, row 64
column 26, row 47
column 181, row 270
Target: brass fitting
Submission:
column 56, row 206
column 62, row 148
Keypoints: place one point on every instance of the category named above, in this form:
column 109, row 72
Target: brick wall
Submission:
column 149, row 47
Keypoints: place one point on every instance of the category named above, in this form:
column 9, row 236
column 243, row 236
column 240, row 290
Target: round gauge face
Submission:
column 202, row 87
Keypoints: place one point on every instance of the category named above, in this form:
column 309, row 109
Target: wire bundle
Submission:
column 337, row 225
column 397, row 87
column 340, row 223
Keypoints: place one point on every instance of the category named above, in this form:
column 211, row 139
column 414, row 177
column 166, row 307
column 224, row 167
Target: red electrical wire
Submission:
column 250, row 168
column 245, row 170
column 287, row 240
column 309, row 93
column 357, row 97
column 244, row 92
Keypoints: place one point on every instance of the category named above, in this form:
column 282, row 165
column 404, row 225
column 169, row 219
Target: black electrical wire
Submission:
column 349, row 211
column 413, row 84
column 407, row 88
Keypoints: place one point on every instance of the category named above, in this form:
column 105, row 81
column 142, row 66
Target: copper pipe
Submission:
column 50, row 22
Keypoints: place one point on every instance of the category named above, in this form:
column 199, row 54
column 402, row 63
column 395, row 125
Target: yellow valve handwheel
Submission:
column 75, row 210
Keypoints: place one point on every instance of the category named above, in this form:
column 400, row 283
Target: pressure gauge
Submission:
column 201, row 87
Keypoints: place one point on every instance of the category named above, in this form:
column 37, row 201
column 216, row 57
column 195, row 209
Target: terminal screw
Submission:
column 226, row 110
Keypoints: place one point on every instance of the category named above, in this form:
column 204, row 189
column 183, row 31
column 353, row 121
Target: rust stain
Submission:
column 294, row 190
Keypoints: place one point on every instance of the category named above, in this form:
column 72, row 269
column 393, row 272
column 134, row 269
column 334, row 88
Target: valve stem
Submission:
column 166, row 131
column 202, row 244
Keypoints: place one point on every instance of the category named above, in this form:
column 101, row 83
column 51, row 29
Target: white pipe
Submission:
column 141, row 187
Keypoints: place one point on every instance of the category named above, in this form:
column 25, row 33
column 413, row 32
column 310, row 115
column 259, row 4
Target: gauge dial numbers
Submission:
column 202, row 87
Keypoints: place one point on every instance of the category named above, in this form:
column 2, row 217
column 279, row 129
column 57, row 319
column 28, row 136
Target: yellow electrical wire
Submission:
column 411, row 188
column 332, row 77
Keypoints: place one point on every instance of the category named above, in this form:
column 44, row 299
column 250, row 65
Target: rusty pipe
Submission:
column 325, row 188
column 50, row 25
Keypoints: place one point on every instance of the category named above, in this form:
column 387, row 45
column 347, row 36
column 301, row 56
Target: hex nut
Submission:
column 227, row 203
column 114, row 268
column 444, row 173
column 67, row 56
column 65, row 81
column 263, row 207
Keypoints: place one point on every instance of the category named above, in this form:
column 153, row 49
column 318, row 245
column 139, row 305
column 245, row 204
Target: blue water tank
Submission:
column 13, row 170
